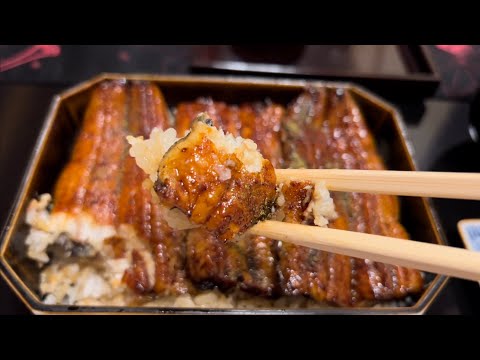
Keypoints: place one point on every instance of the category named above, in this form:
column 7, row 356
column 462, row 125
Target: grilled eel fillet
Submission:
column 249, row 262
column 103, row 181
column 325, row 129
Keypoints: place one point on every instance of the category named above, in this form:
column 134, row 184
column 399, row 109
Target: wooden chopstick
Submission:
column 433, row 258
column 406, row 183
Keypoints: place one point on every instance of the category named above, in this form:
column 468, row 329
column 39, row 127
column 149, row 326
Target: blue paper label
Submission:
column 470, row 231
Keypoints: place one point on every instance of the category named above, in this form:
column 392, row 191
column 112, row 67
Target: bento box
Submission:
column 61, row 126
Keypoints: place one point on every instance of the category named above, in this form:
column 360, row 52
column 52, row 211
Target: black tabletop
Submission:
column 439, row 128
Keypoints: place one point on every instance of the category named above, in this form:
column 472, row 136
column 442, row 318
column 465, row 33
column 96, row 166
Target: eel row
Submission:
column 321, row 128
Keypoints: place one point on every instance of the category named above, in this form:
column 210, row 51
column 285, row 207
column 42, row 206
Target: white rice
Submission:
column 244, row 149
column 149, row 153
column 320, row 208
column 214, row 299
column 72, row 283
column 321, row 205
column 75, row 284
column 47, row 227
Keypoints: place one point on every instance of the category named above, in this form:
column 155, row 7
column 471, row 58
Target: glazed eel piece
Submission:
column 325, row 129
column 89, row 181
column 146, row 110
column 249, row 262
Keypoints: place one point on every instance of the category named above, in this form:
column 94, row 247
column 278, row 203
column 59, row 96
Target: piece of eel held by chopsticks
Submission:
column 208, row 178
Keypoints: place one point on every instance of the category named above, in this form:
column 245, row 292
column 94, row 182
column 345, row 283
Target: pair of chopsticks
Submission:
column 433, row 258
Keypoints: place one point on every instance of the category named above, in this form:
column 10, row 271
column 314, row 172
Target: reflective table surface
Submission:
column 439, row 129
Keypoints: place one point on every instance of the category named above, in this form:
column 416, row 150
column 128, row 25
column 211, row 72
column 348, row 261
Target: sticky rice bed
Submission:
column 84, row 284
column 62, row 282
column 97, row 278
column 47, row 228
column 321, row 207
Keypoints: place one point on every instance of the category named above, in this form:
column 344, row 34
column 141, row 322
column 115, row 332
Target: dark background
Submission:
column 439, row 123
